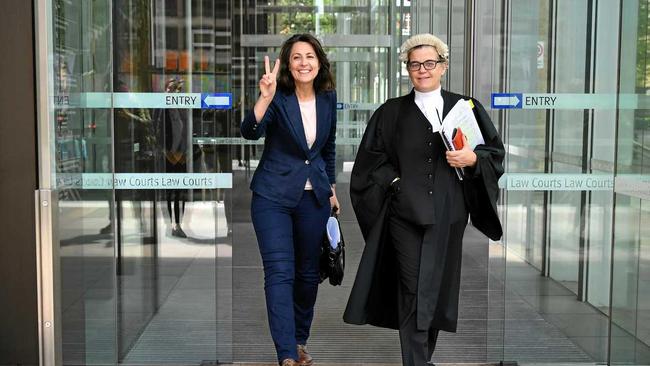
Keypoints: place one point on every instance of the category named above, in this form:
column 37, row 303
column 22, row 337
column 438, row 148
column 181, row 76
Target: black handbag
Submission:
column 332, row 259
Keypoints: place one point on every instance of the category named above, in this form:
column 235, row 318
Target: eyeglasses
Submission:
column 428, row 64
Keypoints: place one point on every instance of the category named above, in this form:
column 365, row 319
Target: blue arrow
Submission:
column 507, row 100
column 216, row 100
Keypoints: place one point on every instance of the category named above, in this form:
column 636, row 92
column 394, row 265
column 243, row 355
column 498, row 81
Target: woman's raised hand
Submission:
column 268, row 82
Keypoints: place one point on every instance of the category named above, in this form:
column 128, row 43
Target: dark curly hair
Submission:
column 324, row 80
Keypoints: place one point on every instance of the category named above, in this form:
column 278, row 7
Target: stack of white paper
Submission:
column 461, row 115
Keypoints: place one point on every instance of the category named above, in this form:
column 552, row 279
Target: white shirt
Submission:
column 428, row 102
column 308, row 113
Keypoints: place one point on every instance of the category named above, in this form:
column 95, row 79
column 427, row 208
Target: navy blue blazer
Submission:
column 287, row 162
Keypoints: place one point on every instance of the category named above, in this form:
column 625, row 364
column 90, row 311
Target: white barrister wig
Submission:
column 424, row 39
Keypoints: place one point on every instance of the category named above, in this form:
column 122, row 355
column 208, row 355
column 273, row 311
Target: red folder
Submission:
column 457, row 138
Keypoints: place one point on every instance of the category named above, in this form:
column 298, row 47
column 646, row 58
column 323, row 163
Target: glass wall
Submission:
column 143, row 235
column 82, row 143
column 572, row 263
column 630, row 299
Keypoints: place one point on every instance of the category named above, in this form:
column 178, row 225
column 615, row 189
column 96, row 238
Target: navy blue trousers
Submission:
column 289, row 239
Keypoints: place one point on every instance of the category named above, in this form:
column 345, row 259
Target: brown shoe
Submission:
column 289, row 362
column 304, row 358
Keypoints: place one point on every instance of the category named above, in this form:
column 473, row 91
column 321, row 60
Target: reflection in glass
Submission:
column 559, row 242
column 170, row 239
column 82, row 144
column 138, row 263
column 630, row 299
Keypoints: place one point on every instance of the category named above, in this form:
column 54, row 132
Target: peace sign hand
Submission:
column 268, row 82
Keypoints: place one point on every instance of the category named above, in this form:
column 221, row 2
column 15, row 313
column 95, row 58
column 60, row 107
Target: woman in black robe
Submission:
column 413, row 209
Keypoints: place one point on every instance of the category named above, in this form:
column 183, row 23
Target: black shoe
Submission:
column 106, row 229
column 178, row 232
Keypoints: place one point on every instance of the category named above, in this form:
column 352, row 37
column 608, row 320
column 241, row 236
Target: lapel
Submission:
column 292, row 108
column 323, row 118
column 449, row 101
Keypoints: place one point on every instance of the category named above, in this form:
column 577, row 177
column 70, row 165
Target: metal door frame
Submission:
column 45, row 199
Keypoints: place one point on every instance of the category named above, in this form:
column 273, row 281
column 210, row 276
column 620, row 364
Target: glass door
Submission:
column 557, row 219
column 572, row 269
column 630, row 297
column 81, row 143
column 142, row 236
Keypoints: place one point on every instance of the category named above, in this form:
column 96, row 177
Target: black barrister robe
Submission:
column 397, row 143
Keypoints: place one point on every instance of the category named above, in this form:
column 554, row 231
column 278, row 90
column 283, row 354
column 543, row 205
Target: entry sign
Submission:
column 173, row 100
column 506, row 100
column 540, row 101
column 572, row 101
column 216, row 100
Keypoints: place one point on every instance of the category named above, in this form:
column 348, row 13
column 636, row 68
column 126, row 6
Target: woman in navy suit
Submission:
column 293, row 186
